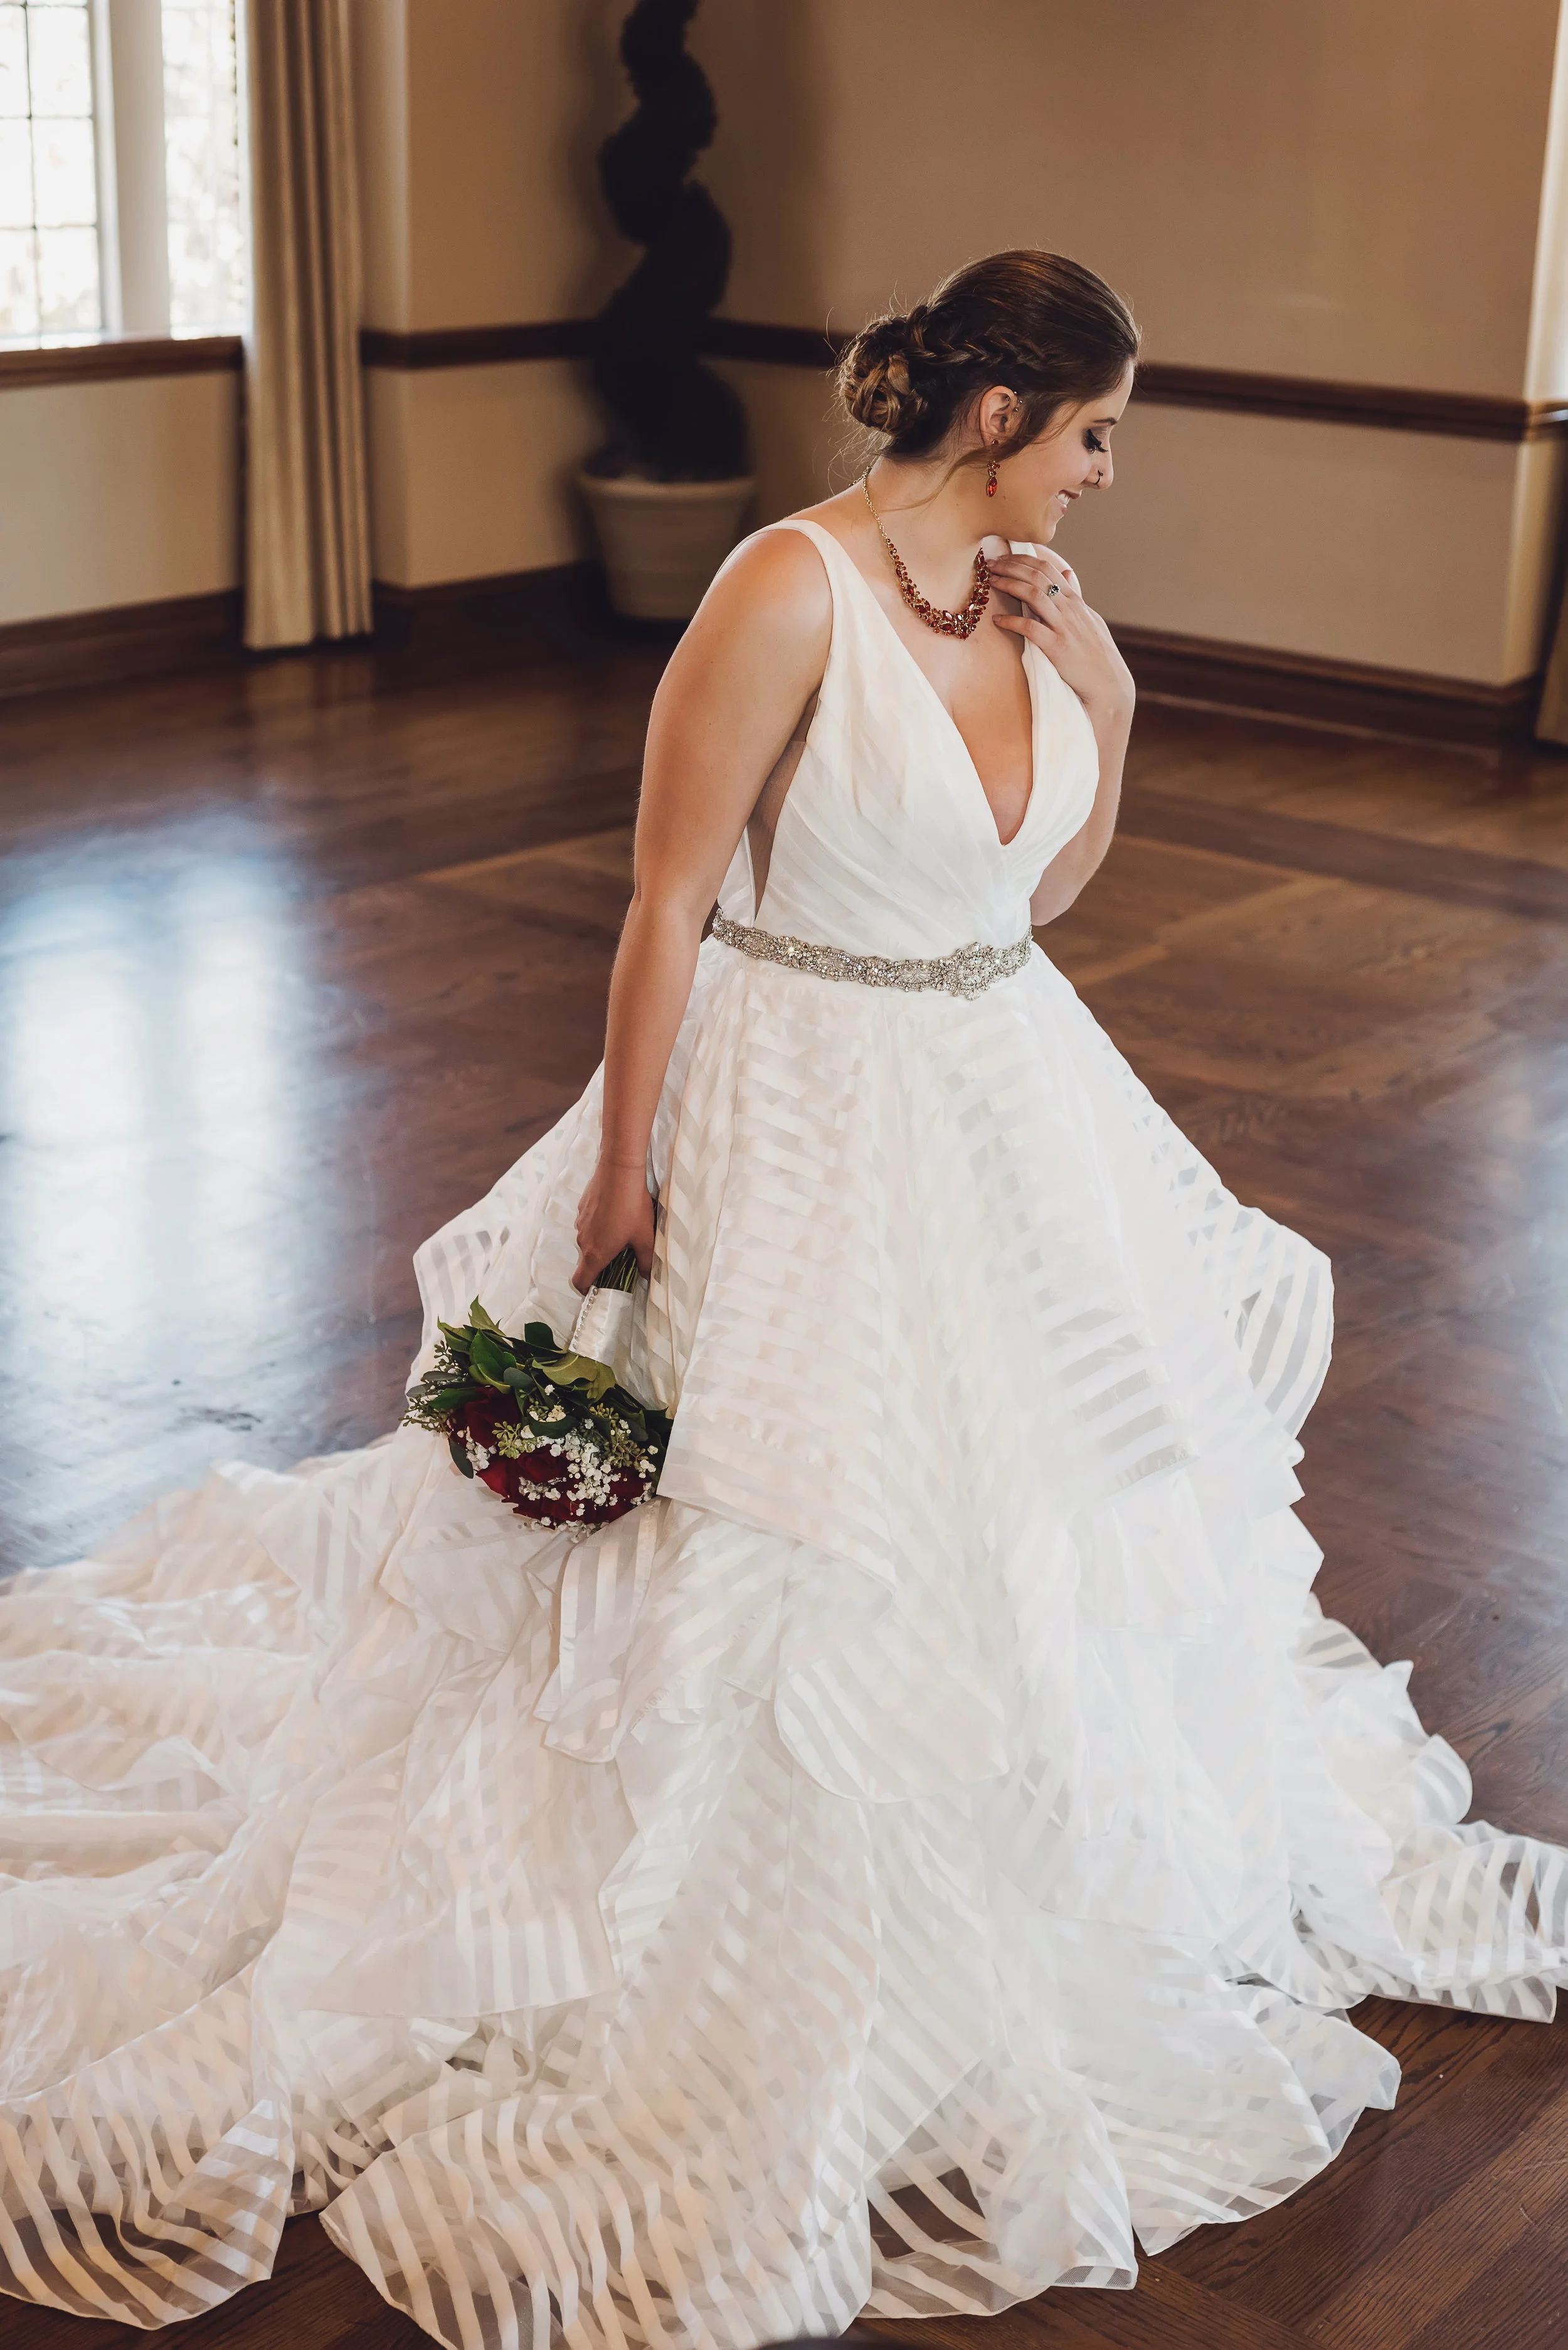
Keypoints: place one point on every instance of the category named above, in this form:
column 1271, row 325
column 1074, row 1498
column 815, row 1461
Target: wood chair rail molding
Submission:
column 105, row 359
column 451, row 346
column 1459, row 415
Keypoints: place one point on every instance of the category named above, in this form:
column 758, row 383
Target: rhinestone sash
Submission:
column 968, row 971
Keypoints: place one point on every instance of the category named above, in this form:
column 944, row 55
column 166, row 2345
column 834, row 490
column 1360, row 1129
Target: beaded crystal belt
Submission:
column 968, row 971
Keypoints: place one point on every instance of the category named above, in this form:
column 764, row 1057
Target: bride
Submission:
column 929, row 1850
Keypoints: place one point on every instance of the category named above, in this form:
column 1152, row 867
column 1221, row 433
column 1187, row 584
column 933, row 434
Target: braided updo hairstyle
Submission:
column 1047, row 329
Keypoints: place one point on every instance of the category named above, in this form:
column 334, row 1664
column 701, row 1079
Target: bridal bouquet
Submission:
column 546, row 1426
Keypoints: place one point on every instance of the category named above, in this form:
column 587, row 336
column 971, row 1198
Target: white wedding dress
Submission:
column 930, row 1847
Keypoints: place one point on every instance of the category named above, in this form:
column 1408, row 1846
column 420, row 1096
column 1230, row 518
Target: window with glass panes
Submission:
column 201, row 122
column 177, row 181
column 48, row 171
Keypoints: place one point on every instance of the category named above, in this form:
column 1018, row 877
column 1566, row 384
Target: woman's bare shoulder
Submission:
column 781, row 573
column 776, row 580
column 761, row 637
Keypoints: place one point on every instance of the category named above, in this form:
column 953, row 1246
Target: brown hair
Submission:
column 1046, row 327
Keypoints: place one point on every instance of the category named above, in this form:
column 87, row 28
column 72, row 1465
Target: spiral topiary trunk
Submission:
column 676, row 420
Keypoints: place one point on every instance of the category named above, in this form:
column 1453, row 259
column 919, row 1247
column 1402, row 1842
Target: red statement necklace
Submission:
column 946, row 624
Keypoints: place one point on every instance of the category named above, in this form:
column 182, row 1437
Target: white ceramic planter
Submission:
column 663, row 541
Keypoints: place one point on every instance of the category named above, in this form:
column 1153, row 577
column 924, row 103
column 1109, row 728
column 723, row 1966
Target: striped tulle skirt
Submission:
column 921, row 1858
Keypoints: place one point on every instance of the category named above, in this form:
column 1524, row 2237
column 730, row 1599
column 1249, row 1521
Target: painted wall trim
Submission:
column 1458, row 415
column 563, row 610
column 454, row 347
column 1466, row 416
column 1209, row 671
column 559, row 610
column 105, row 359
column 123, row 640
column 551, row 612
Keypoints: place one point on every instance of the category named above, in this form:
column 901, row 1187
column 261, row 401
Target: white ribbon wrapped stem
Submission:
column 602, row 1330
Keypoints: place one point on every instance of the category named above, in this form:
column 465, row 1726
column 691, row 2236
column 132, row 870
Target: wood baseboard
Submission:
column 125, row 640
column 1204, row 670
column 550, row 612
column 561, row 611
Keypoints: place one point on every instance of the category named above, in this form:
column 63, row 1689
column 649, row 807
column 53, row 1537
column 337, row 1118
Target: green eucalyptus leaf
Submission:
column 460, row 1459
column 446, row 1401
column 581, row 1371
column 487, row 1359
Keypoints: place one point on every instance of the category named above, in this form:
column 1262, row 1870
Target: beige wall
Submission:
column 1319, row 187
column 118, row 492
column 477, row 121
column 379, row 34
column 1316, row 187
column 1546, row 363
column 1395, row 548
column 1342, row 188
column 507, row 105
column 1404, row 551
column 472, row 469
column 478, row 125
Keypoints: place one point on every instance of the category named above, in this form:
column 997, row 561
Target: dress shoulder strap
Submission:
column 1028, row 546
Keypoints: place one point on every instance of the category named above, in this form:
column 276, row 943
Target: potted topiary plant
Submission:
column 668, row 492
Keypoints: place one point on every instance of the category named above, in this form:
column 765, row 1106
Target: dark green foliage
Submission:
column 537, row 1376
column 676, row 420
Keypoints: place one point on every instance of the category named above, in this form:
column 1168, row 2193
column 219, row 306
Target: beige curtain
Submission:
column 1552, row 719
column 307, row 540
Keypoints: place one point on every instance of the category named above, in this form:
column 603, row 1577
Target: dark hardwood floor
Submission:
column 292, row 964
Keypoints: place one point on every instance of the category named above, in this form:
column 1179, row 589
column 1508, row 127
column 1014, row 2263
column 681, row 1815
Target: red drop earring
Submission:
column 991, row 479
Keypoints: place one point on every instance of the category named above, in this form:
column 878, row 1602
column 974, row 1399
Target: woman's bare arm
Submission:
column 1083, row 856
column 725, row 709
column 1081, row 648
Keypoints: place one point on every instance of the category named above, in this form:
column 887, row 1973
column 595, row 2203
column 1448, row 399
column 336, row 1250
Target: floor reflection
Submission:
column 144, row 1041
column 156, row 1032
column 291, row 968
column 256, row 1042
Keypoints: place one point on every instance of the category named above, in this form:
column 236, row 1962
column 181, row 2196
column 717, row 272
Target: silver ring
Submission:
column 1052, row 589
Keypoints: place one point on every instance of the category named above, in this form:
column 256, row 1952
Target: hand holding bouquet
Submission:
column 546, row 1426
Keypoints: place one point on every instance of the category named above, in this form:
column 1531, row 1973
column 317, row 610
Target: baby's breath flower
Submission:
column 497, row 1401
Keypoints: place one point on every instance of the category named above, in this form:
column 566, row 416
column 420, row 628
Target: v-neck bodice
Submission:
column 886, row 843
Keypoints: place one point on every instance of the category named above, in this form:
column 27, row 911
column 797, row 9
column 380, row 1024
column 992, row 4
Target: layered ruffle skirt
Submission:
column 924, row 1855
